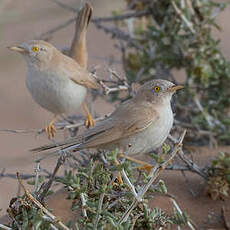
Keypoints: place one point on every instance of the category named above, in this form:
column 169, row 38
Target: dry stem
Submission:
column 55, row 220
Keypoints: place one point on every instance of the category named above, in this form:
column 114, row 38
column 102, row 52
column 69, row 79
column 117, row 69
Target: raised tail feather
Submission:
column 78, row 50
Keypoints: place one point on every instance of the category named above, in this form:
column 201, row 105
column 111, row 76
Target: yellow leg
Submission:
column 50, row 129
column 89, row 122
column 145, row 166
column 119, row 174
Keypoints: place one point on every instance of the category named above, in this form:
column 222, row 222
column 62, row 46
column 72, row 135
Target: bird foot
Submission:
column 50, row 130
column 146, row 167
column 89, row 122
column 119, row 178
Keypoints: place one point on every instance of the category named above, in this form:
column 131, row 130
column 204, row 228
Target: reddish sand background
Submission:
column 22, row 20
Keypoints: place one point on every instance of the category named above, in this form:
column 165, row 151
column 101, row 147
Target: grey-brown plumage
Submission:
column 139, row 125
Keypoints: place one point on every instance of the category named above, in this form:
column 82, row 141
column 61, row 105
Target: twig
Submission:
column 135, row 220
column 118, row 87
column 117, row 76
column 38, row 131
column 210, row 120
column 123, row 17
column 65, row 6
column 5, row 227
column 119, row 34
column 53, row 227
column 128, row 211
column 48, row 34
column 108, row 90
column 37, row 171
column 181, row 213
column 190, row 7
column 155, row 172
column 178, row 168
column 81, row 123
column 100, row 203
column 186, row 21
column 47, row 218
column 193, row 167
column 106, row 19
column 132, row 188
column 12, row 175
column 83, row 201
column 47, row 186
column 55, row 220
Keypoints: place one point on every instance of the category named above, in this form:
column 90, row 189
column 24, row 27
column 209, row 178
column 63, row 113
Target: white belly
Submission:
column 153, row 137
column 56, row 94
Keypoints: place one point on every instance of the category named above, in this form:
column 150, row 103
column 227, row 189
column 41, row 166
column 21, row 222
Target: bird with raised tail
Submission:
column 56, row 82
column 138, row 125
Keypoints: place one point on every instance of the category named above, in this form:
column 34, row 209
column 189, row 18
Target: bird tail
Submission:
column 78, row 50
column 64, row 145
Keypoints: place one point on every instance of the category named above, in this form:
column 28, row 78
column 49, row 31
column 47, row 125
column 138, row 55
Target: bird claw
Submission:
column 50, row 130
column 89, row 122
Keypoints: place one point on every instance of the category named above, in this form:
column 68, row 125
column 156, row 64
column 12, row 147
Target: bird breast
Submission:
column 56, row 93
column 153, row 136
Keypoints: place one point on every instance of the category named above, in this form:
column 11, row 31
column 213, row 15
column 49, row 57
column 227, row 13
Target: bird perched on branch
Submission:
column 138, row 125
column 56, row 82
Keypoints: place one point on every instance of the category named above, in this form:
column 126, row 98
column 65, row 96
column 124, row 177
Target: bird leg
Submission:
column 145, row 166
column 89, row 122
column 119, row 174
column 50, row 129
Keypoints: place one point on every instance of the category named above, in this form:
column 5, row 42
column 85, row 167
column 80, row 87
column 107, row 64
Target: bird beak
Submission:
column 174, row 88
column 18, row 49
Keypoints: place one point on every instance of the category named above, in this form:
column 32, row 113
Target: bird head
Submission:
column 36, row 52
column 158, row 90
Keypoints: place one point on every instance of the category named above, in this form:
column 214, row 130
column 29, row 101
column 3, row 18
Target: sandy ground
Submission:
column 22, row 20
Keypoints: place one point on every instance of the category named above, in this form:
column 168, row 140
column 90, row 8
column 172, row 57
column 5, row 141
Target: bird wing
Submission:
column 128, row 119
column 78, row 74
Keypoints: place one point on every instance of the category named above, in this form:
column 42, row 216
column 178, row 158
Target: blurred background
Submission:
column 22, row 20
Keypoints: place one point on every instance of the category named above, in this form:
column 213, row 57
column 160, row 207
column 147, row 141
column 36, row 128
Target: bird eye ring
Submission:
column 157, row 89
column 35, row 49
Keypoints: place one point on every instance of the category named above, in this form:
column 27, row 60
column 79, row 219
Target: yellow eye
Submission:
column 35, row 49
column 157, row 89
